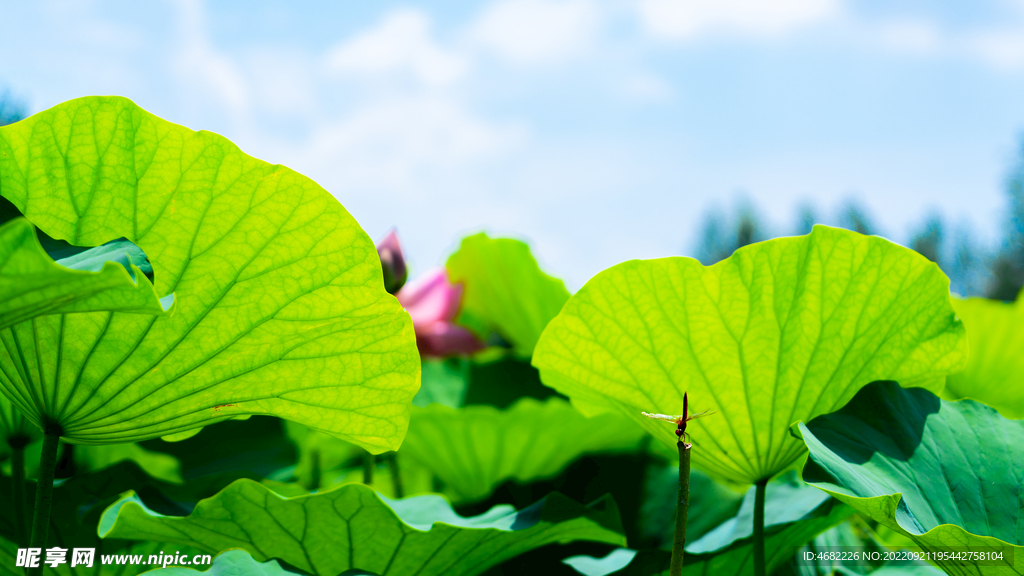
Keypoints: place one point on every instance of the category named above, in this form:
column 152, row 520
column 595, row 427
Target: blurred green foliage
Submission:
column 11, row 109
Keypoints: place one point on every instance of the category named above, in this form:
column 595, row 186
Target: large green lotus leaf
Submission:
column 31, row 284
column 280, row 307
column 81, row 280
column 944, row 474
column 506, row 288
column 473, row 449
column 77, row 506
column 781, row 331
column 230, row 563
column 995, row 371
column 352, row 527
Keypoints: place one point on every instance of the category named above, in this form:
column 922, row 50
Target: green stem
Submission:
column 759, row 564
column 18, row 487
column 369, row 461
column 682, row 507
column 44, row 492
column 314, row 470
column 396, row 477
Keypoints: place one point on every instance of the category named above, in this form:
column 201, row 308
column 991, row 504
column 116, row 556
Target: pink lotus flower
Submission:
column 392, row 262
column 433, row 302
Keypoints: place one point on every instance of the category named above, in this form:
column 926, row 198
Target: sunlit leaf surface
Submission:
column 31, row 284
column 506, row 289
column 781, row 331
column 995, row 370
column 280, row 305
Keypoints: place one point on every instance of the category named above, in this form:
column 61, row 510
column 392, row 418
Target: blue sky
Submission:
column 598, row 130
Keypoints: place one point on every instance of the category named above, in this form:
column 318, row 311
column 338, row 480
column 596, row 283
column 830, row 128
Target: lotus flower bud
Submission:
column 392, row 262
column 433, row 302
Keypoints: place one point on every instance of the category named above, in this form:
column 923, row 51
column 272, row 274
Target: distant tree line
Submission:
column 11, row 109
column 973, row 269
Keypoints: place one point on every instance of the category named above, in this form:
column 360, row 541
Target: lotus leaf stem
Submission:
column 682, row 507
column 369, row 461
column 396, row 477
column 44, row 492
column 18, row 487
column 759, row 490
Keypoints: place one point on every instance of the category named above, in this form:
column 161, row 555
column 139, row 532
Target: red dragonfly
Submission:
column 680, row 421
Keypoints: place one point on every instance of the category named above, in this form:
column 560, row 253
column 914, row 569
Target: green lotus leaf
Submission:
column 156, row 465
column 88, row 458
column 793, row 516
column 352, row 527
column 781, row 331
column 502, row 382
column 473, row 449
column 443, row 382
column 505, row 288
column 591, row 566
column 993, row 374
column 81, row 280
column 31, row 284
column 281, row 305
column 894, row 570
column 231, row 563
column 77, row 506
column 844, row 535
column 788, row 501
column 499, row 381
column 711, row 504
column 945, row 474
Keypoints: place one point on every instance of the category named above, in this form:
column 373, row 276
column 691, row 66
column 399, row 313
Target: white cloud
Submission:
column 401, row 43
column 1003, row 49
column 201, row 67
column 283, row 82
column 1000, row 48
column 390, row 144
column 537, row 31
column 647, row 87
column 684, row 19
column 911, row 36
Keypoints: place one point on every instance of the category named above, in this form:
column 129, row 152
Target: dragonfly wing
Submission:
column 701, row 414
column 664, row 417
